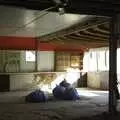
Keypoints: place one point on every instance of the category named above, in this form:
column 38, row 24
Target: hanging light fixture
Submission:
column 61, row 11
column 61, row 4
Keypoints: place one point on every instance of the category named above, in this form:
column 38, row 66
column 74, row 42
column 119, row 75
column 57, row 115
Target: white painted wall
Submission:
column 26, row 66
column 98, row 80
column 9, row 61
column 21, row 81
column 27, row 81
column 96, row 64
column 45, row 60
column 96, row 60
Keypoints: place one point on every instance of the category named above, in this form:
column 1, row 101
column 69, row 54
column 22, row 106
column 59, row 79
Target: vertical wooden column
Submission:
column 113, row 64
column 36, row 55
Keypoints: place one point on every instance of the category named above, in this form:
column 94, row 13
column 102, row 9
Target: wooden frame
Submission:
column 70, row 60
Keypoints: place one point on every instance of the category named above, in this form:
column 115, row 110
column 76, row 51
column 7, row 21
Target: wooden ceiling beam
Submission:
column 102, row 30
column 95, row 34
column 92, row 37
column 107, row 26
column 76, row 43
column 88, row 23
column 89, row 39
column 69, row 40
column 84, row 43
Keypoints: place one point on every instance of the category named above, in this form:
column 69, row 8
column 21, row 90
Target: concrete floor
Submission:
column 13, row 107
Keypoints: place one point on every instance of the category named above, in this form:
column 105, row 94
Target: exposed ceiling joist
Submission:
column 94, row 34
column 102, row 30
column 85, row 35
column 70, row 40
column 86, row 38
column 84, row 43
column 93, row 22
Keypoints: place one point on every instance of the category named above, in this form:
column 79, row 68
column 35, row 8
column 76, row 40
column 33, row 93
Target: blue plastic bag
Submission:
column 65, row 84
column 71, row 94
column 58, row 92
column 36, row 96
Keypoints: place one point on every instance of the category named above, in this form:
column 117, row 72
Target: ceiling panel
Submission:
column 54, row 22
column 5, row 31
column 14, row 17
column 31, row 23
column 24, row 32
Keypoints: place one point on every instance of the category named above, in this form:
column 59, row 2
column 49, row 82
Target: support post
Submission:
column 113, row 65
column 36, row 55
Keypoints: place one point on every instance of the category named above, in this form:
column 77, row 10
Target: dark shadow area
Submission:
column 82, row 82
column 103, row 116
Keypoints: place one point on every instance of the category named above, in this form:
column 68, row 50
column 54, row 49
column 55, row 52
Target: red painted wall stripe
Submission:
column 26, row 43
column 18, row 43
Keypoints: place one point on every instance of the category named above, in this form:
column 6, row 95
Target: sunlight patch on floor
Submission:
column 87, row 93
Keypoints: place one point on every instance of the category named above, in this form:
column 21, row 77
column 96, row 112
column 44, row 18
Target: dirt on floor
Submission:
column 103, row 116
column 91, row 103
